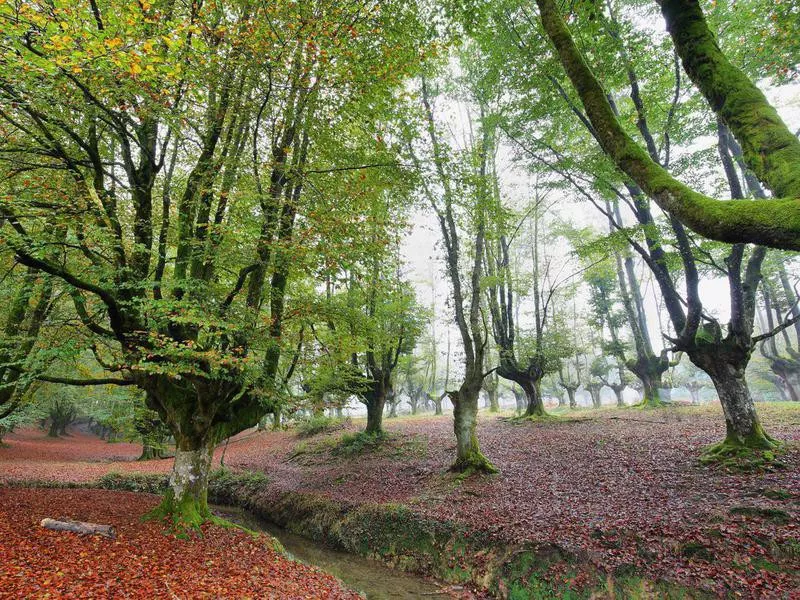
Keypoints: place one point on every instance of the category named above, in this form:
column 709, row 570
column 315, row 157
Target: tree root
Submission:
column 476, row 464
column 759, row 452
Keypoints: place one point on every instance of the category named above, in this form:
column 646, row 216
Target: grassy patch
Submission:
column 777, row 516
column 320, row 424
column 354, row 444
column 349, row 445
column 777, row 494
column 697, row 550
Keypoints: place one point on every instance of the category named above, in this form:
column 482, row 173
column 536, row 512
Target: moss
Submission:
column 650, row 402
column 543, row 417
column 475, row 463
column 696, row 550
column 765, row 565
column 788, row 549
column 777, row 494
column 184, row 515
column 755, row 452
column 775, row 515
column 321, row 424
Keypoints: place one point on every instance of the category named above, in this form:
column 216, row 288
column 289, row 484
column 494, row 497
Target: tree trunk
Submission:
column 573, row 404
column 743, row 427
column 494, row 400
column 695, row 394
column 618, row 393
column 375, row 404
column 792, row 390
column 186, row 500
column 79, row 527
column 594, row 392
column 276, row 419
column 651, row 393
column 519, row 397
column 469, row 458
column 533, row 395
column 150, row 452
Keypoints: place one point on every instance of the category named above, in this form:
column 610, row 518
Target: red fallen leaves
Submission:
column 143, row 562
column 618, row 492
column 31, row 455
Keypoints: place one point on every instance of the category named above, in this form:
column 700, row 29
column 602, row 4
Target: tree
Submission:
column 721, row 352
column 542, row 348
column 457, row 178
column 166, row 150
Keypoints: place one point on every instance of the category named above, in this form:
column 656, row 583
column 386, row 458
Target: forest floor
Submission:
column 621, row 488
column 141, row 562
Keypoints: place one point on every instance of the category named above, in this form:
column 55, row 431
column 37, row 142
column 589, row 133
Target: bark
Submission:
column 594, row 392
column 694, row 392
column 375, row 405
column 573, row 404
column 150, row 452
column 618, row 389
column 533, row 396
column 519, row 397
column 651, row 392
column 437, row 402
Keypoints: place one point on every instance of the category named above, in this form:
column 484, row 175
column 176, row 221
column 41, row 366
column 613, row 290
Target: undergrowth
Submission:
column 320, row 424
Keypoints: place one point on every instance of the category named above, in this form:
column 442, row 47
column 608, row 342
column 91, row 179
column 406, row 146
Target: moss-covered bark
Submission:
column 533, row 395
column 773, row 223
column 770, row 149
column 185, row 502
column 469, row 458
column 651, row 394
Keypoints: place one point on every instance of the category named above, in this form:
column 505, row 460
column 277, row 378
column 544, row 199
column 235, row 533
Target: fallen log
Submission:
column 79, row 527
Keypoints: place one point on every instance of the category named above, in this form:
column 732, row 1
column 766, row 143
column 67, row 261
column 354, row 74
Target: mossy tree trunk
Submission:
column 186, row 499
column 726, row 366
column 199, row 414
column 469, row 457
column 651, row 393
column 375, row 403
column 533, row 395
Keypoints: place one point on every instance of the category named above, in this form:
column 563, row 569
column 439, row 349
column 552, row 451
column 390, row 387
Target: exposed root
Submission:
column 184, row 516
column 758, row 452
column 475, row 464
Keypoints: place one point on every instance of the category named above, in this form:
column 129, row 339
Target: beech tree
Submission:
column 185, row 139
column 458, row 190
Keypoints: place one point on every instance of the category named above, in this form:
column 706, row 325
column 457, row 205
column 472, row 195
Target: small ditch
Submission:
column 372, row 578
